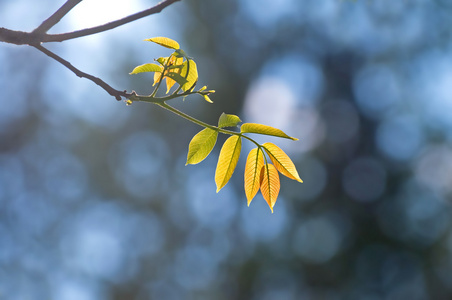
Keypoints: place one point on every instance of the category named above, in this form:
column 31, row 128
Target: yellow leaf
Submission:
column 156, row 77
column 227, row 120
column 191, row 76
column 227, row 161
column 165, row 42
column 253, row 167
column 207, row 99
column 201, row 145
column 281, row 161
column 173, row 61
column 270, row 184
column 147, row 68
column 264, row 129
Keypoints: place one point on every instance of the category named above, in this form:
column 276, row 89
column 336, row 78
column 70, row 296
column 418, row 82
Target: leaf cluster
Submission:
column 263, row 164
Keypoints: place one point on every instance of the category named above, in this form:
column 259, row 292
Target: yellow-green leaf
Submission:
column 191, row 76
column 253, row 167
column 165, row 42
column 147, row 68
column 270, row 184
column 175, row 66
column 228, row 120
column 207, row 99
column 227, row 161
column 264, row 129
column 201, row 145
column 282, row 161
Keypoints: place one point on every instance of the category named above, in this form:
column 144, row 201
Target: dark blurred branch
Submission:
column 39, row 36
column 93, row 30
column 56, row 17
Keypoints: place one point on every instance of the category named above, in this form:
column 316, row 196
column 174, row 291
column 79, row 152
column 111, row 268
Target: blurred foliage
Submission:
column 96, row 204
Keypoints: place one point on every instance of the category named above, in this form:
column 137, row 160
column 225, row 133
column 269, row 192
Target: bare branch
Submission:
column 56, row 17
column 115, row 93
column 93, row 30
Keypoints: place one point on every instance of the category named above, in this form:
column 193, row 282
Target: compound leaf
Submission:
column 165, row 42
column 281, row 161
column 264, row 129
column 270, row 184
column 228, row 120
column 253, row 168
column 227, row 161
column 201, row 145
column 147, row 68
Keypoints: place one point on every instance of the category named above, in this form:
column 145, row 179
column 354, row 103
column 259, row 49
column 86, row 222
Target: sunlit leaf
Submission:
column 227, row 161
column 253, row 167
column 201, row 145
column 176, row 77
column 192, row 76
column 207, row 99
column 282, row 161
column 162, row 60
column 228, row 120
column 270, row 184
column 174, row 66
column 147, row 68
column 165, row 42
column 264, row 129
column 157, row 77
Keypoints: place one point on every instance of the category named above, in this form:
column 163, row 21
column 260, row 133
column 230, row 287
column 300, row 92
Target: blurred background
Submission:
column 95, row 200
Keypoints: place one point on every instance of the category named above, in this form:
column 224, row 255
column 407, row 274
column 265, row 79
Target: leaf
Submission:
column 228, row 120
column 270, row 184
column 201, row 145
column 227, row 161
column 162, row 60
column 174, row 67
column 253, row 167
column 207, row 99
column 264, row 129
column 281, row 161
column 192, row 76
column 147, row 68
column 165, row 42
column 176, row 77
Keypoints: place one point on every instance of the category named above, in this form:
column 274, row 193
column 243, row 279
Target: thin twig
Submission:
column 115, row 93
column 93, row 30
column 56, row 17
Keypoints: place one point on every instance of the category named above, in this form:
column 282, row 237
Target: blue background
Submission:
column 95, row 200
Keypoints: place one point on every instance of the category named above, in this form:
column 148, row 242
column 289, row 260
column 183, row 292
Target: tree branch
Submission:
column 93, row 30
column 115, row 93
column 56, row 17
column 37, row 36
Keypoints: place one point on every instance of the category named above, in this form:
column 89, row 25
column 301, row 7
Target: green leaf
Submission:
column 147, row 68
column 228, row 120
column 165, row 42
column 264, row 129
column 227, row 161
column 201, row 145
column 162, row 60
column 189, row 72
column 176, row 77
